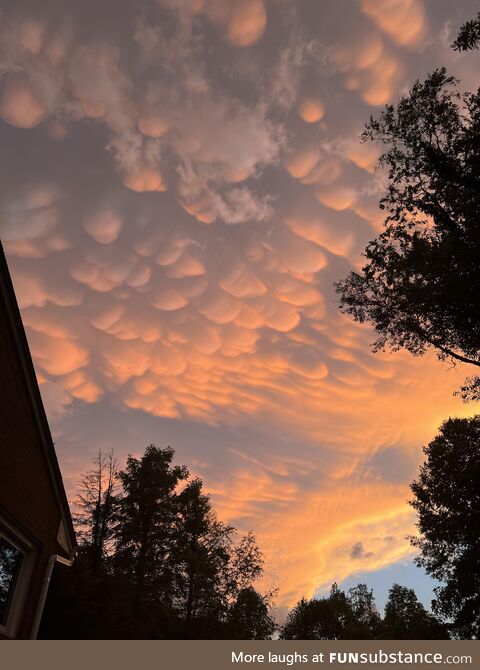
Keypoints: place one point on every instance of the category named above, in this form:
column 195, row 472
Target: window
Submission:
column 16, row 559
column 10, row 563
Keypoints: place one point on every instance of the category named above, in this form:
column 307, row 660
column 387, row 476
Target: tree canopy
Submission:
column 155, row 561
column 407, row 619
column 354, row 616
column 447, row 500
column 420, row 285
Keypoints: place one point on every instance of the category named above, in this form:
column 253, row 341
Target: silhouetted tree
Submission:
column 165, row 566
column 329, row 618
column 83, row 600
column 367, row 622
column 202, row 554
column 354, row 616
column 469, row 35
column 211, row 570
column 420, row 285
column 249, row 617
column 407, row 619
column 145, row 531
column 447, row 500
column 95, row 506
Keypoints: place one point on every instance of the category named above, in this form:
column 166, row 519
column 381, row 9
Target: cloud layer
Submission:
column 183, row 184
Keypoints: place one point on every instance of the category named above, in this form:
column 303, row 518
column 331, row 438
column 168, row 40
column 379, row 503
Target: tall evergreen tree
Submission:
column 165, row 566
column 146, row 520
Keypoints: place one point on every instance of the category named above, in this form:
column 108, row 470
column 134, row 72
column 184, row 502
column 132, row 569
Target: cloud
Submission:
column 311, row 110
column 404, row 21
column 33, row 212
column 104, row 226
column 358, row 551
column 144, row 179
column 19, row 105
column 370, row 66
column 247, row 22
column 194, row 186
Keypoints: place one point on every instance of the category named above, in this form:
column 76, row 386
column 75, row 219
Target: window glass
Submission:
column 10, row 562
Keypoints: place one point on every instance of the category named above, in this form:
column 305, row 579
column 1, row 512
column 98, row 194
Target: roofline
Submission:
column 7, row 292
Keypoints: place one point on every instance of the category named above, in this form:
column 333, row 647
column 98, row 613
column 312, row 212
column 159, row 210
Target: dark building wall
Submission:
column 26, row 493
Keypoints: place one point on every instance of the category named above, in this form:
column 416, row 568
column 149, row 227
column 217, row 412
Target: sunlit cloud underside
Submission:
column 183, row 184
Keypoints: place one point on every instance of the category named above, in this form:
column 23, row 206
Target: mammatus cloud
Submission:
column 195, row 185
column 402, row 20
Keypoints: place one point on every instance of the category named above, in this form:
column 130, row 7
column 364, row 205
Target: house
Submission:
column 36, row 528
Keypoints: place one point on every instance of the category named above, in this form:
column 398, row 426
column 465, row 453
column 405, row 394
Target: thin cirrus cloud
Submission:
column 190, row 196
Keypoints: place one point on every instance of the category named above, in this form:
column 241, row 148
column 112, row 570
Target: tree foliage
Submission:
column 407, row 619
column 469, row 36
column 354, row 616
column 420, row 285
column 447, row 500
column 170, row 569
column 339, row 616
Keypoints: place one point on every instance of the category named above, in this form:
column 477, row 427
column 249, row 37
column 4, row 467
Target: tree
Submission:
column 146, row 520
column 407, row 619
column 201, row 557
column 329, row 618
column 420, row 285
column 211, row 570
column 447, row 500
column 96, row 506
column 249, row 617
column 367, row 622
column 469, row 36
column 165, row 566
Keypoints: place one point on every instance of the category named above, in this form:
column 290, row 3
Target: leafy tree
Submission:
column 202, row 554
column 249, row 617
column 354, row 616
column 447, row 500
column 211, row 570
column 420, row 285
column 328, row 618
column 469, row 36
column 367, row 622
column 407, row 619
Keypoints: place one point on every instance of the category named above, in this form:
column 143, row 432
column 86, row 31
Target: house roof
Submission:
column 66, row 535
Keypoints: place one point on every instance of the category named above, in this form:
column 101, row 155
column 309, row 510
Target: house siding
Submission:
column 27, row 497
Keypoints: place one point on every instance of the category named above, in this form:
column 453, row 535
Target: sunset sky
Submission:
column 182, row 181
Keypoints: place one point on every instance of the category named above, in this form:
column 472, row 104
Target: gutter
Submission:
column 54, row 558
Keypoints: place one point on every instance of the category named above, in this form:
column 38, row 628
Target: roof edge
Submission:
column 7, row 292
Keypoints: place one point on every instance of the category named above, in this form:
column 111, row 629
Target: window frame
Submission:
column 18, row 540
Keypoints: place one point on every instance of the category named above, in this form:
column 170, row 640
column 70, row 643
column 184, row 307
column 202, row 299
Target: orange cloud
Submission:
column 19, row 104
column 403, row 20
column 144, row 179
column 104, row 226
column 232, row 329
column 247, row 22
column 311, row 110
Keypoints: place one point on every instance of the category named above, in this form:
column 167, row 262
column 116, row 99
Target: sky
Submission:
column 182, row 182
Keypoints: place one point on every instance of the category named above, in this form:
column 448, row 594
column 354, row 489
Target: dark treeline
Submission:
column 155, row 562
column 354, row 616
